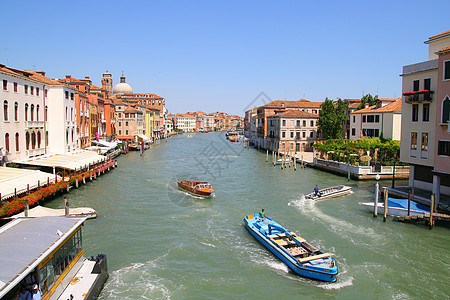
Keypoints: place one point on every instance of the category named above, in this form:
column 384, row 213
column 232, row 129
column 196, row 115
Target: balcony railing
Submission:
column 418, row 96
column 35, row 152
column 34, row 124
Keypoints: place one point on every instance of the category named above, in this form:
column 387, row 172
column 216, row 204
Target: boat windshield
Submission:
column 203, row 186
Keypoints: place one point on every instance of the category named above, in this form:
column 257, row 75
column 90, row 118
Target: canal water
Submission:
column 164, row 244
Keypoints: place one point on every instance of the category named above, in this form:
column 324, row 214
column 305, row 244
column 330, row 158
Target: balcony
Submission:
column 34, row 124
column 35, row 152
column 418, row 96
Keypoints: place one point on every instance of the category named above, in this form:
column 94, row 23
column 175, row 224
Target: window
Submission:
column 283, row 134
column 26, row 89
column 46, row 138
column 71, row 96
column 27, row 140
column 126, row 123
column 446, row 110
column 377, row 118
column 444, row 148
column 67, row 95
column 26, row 111
column 66, row 112
column 304, row 123
column 33, row 140
column 17, row 142
column 415, row 112
column 354, row 119
column 312, row 123
column 377, row 132
column 426, row 112
column 284, row 122
column 414, row 141
column 424, row 146
column 364, row 131
column 364, row 119
column 15, row 87
column 16, row 111
column 304, row 134
column 39, row 139
column 45, row 113
column 292, row 134
column 298, row 135
column 446, row 70
column 32, row 112
column 120, row 124
column 5, row 110
column 7, row 142
column 416, row 84
column 71, row 113
column 5, row 85
column 31, row 90
column 370, row 118
column 120, row 132
column 37, row 112
column 353, row 131
column 37, row 91
column 67, row 136
column 311, row 134
column 298, row 123
column 126, row 132
column 427, row 84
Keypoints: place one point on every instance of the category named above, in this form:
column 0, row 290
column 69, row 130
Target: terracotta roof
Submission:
column 295, row 113
column 42, row 78
column 395, row 107
column 353, row 105
column 291, row 104
column 443, row 50
column 438, row 35
column 388, row 99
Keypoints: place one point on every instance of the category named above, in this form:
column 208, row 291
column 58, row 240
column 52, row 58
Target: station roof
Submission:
column 18, row 180
column 26, row 242
column 71, row 161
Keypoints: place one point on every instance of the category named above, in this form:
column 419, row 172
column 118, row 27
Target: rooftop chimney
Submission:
column 68, row 76
column 41, row 72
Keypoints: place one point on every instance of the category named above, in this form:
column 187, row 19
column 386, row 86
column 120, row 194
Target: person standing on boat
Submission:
column 36, row 293
column 316, row 191
column 262, row 215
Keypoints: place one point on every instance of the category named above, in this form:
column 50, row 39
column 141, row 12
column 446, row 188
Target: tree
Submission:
column 331, row 119
column 367, row 99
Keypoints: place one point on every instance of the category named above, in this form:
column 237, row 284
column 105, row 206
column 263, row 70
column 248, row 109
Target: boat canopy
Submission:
column 26, row 242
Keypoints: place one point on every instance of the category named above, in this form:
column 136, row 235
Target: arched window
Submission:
column 72, row 135
column 17, row 142
column 37, row 112
column 7, row 142
column 5, row 110
column 16, row 111
column 446, row 110
column 71, row 114
column 32, row 112
column 33, row 140
column 26, row 112
column 39, row 139
column 27, row 140
column 45, row 113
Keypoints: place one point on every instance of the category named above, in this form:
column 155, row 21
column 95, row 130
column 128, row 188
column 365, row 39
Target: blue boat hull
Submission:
column 291, row 262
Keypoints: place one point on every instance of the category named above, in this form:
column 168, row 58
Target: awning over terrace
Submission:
column 19, row 180
column 69, row 161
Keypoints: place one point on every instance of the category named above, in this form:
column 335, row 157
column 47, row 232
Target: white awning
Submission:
column 19, row 180
column 71, row 161
column 143, row 137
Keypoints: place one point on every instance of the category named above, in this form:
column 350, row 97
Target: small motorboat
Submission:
column 398, row 207
column 196, row 187
column 294, row 251
column 287, row 161
column 334, row 191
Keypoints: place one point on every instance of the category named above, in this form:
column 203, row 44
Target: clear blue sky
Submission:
column 220, row 55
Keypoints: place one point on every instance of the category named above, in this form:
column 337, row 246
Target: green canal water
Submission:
column 164, row 244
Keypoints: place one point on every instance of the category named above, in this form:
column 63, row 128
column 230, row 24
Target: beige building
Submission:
column 291, row 131
column 129, row 122
column 419, row 116
column 371, row 122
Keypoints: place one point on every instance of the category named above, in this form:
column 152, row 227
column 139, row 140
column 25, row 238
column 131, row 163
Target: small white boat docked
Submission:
column 398, row 207
column 334, row 191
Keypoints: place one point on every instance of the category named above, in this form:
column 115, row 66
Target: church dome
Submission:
column 122, row 87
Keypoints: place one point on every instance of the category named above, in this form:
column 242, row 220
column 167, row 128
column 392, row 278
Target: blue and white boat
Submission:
column 294, row 251
column 398, row 207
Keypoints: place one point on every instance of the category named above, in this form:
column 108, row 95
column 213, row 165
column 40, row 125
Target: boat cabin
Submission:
column 46, row 251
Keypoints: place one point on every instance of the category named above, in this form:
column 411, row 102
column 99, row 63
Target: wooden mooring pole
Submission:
column 431, row 211
column 267, row 156
column 386, row 207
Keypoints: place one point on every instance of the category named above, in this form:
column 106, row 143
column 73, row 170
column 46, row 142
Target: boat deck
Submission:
column 82, row 282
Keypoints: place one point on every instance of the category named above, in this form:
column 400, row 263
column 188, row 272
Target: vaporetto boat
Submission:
column 294, row 251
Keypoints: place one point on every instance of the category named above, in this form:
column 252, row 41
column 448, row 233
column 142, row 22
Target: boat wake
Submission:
column 340, row 227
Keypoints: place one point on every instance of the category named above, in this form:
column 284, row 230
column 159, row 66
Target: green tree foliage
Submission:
column 367, row 99
column 331, row 119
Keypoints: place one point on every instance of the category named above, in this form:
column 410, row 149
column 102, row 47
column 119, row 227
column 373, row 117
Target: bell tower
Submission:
column 107, row 84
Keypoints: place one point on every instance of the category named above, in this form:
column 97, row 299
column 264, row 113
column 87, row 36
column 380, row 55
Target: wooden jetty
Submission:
column 428, row 218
